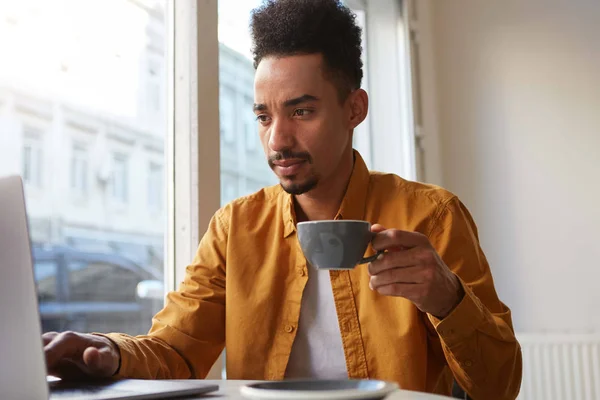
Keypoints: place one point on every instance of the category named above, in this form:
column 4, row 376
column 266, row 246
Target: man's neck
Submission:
column 323, row 202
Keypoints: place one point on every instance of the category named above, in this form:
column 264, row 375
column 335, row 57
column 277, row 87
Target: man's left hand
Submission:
column 411, row 268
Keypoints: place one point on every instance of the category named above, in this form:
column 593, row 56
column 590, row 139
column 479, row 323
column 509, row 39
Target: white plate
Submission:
column 319, row 389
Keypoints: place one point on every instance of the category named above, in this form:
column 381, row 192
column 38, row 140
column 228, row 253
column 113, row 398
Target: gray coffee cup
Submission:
column 335, row 244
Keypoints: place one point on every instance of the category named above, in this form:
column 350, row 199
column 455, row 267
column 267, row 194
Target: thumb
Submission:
column 376, row 228
column 100, row 362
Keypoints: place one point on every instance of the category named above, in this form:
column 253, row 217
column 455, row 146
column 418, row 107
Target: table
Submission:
column 230, row 389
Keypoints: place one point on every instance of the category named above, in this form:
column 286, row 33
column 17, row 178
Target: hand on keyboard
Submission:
column 71, row 355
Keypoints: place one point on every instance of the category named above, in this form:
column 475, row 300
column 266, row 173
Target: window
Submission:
column 241, row 162
column 62, row 70
column 242, row 166
column 227, row 114
column 228, row 188
column 154, row 87
column 253, row 186
column 250, row 126
column 45, row 276
column 32, row 159
column 100, row 294
column 154, row 94
column 155, row 186
column 119, row 179
column 95, row 280
column 100, row 79
column 79, row 169
column 362, row 134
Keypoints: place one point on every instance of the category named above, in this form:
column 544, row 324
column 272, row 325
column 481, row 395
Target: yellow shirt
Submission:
column 244, row 287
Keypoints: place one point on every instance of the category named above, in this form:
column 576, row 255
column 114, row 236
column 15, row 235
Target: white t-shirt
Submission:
column 317, row 351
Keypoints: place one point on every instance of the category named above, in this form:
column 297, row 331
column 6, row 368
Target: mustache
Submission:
column 289, row 155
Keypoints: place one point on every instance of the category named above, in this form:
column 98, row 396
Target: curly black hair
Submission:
column 290, row 27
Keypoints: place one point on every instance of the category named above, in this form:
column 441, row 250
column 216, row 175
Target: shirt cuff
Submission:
column 463, row 321
column 121, row 343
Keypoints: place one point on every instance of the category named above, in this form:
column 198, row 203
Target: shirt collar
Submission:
column 353, row 204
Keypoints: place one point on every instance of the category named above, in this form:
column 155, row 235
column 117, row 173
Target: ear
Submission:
column 358, row 102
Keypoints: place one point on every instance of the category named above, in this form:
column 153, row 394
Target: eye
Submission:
column 262, row 118
column 301, row 112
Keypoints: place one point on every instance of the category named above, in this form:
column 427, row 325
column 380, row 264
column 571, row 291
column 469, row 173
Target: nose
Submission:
column 281, row 135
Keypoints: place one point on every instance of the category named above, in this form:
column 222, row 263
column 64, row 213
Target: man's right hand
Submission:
column 71, row 355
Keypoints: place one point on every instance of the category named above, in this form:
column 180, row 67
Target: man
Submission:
column 423, row 314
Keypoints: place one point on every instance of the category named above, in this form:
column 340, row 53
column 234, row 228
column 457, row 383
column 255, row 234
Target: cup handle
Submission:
column 372, row 258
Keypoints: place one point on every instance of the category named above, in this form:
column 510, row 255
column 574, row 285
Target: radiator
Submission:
column 560, row 366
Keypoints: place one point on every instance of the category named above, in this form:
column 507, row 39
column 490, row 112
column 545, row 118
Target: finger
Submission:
column 408, row 275
column 48, row 337
column 99, row 362
column 376, row 228
column 409, row 291
column 396, row 259
column 393, row 238
column 65, row 345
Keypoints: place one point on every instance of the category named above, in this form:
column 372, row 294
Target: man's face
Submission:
column 303, row 127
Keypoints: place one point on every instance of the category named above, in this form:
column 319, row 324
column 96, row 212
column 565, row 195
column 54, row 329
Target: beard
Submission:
column 294, row 188
column 300, row 188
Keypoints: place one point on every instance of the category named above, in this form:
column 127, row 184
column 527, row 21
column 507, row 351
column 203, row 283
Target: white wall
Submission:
column 518, row 90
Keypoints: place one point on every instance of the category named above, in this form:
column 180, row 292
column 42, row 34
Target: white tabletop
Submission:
column 230, row 389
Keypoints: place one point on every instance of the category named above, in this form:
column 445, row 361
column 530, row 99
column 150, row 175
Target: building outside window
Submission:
column 155, row 186
column 32, row 158
column 227, row 114
column 79, row 169
column 120, row 177
column 242, row 158
column 155, row 95
column 68, row 66
column 250, row 127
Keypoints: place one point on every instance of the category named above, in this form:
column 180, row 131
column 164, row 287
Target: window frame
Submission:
column 427, row 136
column 387, row 80
column 389, row 83
column 193, row 149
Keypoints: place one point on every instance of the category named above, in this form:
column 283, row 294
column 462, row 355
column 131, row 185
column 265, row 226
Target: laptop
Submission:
column 22, row 362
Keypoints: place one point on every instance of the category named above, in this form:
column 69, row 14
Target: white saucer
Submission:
column 319, row 389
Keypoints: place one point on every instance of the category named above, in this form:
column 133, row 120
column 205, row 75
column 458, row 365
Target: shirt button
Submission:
column 289, row 328
column 301, row 272
column 468, row 363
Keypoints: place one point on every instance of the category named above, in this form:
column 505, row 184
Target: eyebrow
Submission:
column 289, row 103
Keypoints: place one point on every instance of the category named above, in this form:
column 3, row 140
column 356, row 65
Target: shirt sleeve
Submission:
column 477, row 337
column 188, row 334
